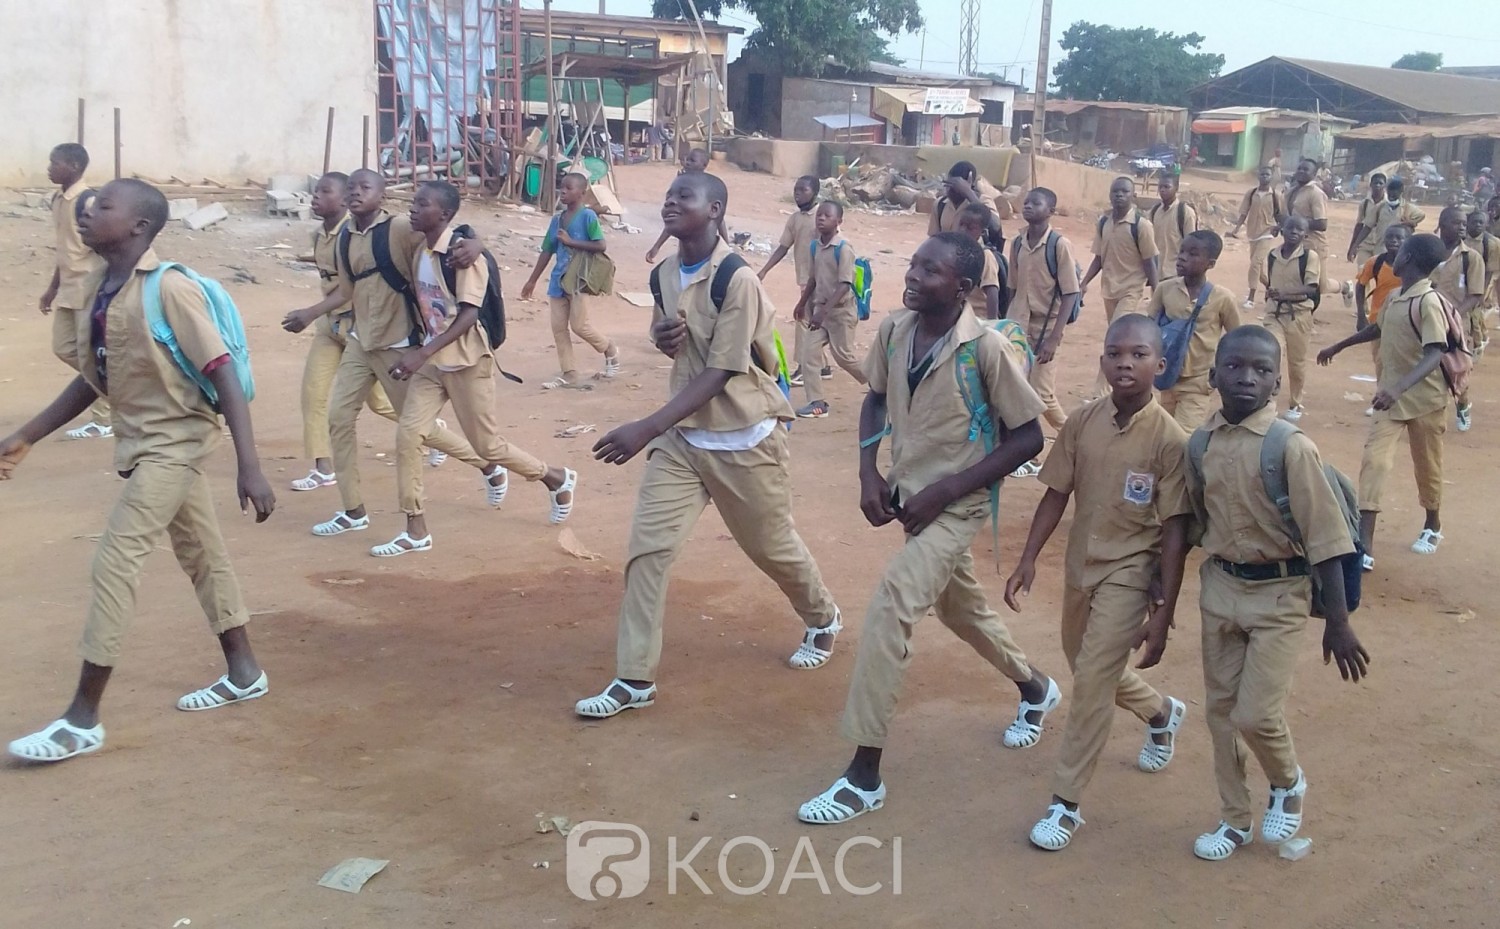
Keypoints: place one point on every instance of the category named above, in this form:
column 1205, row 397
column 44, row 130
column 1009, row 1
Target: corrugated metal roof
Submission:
column 1423, row 91
column 1384, row 132
column 1069, row 107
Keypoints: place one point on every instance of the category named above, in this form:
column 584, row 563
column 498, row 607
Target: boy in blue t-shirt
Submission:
column 576, row 229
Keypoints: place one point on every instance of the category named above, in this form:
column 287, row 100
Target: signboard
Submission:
column 946, row 101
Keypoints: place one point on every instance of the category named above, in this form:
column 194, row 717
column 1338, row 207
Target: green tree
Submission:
column 1138, row 65
column 804, row 34
column 1419, row 61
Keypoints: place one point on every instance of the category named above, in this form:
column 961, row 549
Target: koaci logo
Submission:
column 608, row 861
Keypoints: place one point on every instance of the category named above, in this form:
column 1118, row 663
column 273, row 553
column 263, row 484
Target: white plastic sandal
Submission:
column 210, row 699
column 402, row 544
column 92, row 431
column 1427, row 542
column 1049, row 834
column 556, row 382
column 1367, row 563
column 561, row 511
column 808, row 656
column 436, row 458
column 1155, row 757
column 607, row 704
column 41, row 747
column 1278, row 825
column 493, row 492
column 341, row 523
column 1023, row 733
column 314, row 480
column 1029, row 469
column 826, row 810
column 611, row 366
column 1221, row 843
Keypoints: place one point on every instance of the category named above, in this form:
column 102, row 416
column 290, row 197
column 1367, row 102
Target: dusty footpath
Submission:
column 421, row 708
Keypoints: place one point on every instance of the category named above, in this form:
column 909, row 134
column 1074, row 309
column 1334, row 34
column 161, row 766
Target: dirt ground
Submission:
column 422, row 708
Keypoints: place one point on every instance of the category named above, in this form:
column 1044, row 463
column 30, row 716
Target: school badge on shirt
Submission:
column 1139, row 487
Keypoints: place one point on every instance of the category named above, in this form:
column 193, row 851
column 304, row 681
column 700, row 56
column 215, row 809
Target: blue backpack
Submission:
column 864, row 279
column 1176, row 334
column 226, row 319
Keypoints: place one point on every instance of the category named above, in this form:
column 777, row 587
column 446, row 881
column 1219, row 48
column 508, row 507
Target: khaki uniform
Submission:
column 1368, row 216
column 1172, row 224
column 1263, row 210
column 750, row 488
column 462, row 372
column 1487, row 246
column 1121, row 273
column 1037, row 298
column 833, row 280
column 1191, row 400
column 382, row 332
column 1292, row 321
column 1253, row 630
column 934, row 569
column 1126, row 483
column 1387, row 214
column 797, row 237
column 1409, row 322
column 990, row 277
column 1458, row 278
column 330, row 335
column 165, row 430
column 1310, row 203
column 74, row 262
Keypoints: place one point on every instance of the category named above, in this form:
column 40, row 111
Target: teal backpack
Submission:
column 226, row 319
column 864, row 279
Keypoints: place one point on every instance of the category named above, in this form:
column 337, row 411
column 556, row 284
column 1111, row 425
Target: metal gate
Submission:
column 449, row 95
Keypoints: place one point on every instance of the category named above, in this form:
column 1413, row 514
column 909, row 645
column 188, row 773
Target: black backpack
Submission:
column 492, row 310
column 394, row 277
column 1301, row 273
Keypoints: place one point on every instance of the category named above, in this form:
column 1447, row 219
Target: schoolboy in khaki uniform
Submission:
column 1362, row 246
column 1125, row 254
column 1460, row 279
column 330, row 337
column 985, row 300
column 1412, row 397
column 1307, row 200
column 1041, row 301
column 797, row 237
column 1487, row 246
column 1395, row 212
column 827, row 309
column 1260, row 215
column 1290, row 304
column 382, row 331
column 719, row 439
column 937, row 489
column 65, row 296
column 1123, row 458
column 1171, row 220
column 454, row 363
column 1256, row 592
column 1190, row 400
column 165, row 430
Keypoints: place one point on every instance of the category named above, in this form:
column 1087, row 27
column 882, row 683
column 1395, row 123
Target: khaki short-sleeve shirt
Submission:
column 74, row 259
column 1260, row 209
column 1172, row 224
column 1310, row 203
column 1219, row 315
column 1387, row 214
column 797, row 237
column 978, row 301
column 1035, row 291
column 382, row 318
column 440, row 306
column 1122, row 252
column 1410, row 321
column 1488, row 247
column 1286, row 277
column 833, row 278
column 1461, row 276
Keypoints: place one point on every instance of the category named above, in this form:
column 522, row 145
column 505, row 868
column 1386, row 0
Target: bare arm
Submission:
column 542, row 261
column 1049, row 512
column 74, row 399
column 874, row 491
column 1370, row 333
column 992, row 301
column 773, row 261
column 1095, row 267
column 1149, row 265
column 50, row 294
column 1174, row 549
column 660, row 241
column 252, row 488
column 412, row 360
column 624, row 443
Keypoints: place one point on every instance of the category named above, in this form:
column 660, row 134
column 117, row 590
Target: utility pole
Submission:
column 969, row 42
column 548, row 186
column 1039, row 108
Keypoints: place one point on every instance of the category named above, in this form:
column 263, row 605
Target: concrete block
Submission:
column 32, row 199
column 302, row 212
column 290, row 183
column 182, row 208
column 278, row 201
column 207, row 216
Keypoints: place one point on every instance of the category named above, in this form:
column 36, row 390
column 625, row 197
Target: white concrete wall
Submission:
column 225, row 89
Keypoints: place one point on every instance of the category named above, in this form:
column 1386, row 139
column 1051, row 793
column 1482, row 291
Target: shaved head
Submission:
column 1136, row 325
column 712, row 186
column 1258, row 336
column 367, row 174
column 142, row 200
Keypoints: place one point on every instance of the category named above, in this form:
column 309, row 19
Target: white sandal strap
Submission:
column 561, row 511
column 209, row 698
column 495, row 493
column 394, row 548
column 825, row 809
column 41, row 746
column 606, row 704
column 342, row 522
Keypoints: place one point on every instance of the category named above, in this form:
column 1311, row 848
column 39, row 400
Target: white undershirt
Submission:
column 732, row 440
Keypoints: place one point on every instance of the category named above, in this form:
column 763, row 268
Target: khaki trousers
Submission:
column 1190, row 401
column 1252, row 631
column 1379, row 367
column 65, row 323
column 799, row 336
column 1043, row 379
column 1099, row 627
column 933, row 571
column 159, row 497
column 571, row 313
column 1365, row 252
column 753, row 493
column 1478, row 328
column 317, row 380
column 837, row 337
column 1114, row 309
column 1425, row 434
column 359, row 371
column 1293, row 329
column 1259, row 251
column 471, row 390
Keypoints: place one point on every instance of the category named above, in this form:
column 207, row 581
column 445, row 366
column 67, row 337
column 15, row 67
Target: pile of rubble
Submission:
column 882, row 189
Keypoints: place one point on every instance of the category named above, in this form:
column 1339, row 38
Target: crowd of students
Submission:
column 1171, row 454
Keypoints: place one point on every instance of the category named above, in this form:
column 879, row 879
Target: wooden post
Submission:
column 80, row 120
column 1039, row 107
column 547, row 192
column 328, row 144
column 625, row 86
column 364, row 152
column 117, row 143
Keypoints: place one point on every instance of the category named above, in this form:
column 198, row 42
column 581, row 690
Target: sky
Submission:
column 1371, row 32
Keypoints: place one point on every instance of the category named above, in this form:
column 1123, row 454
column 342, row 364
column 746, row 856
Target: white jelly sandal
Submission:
column 314, row 480
column 403, row 544
column 209, row 697
column 1367, row 563
column 561, row 511
column 1023, row 733
column 808, row 656
column 341, row 523
column 1278, row 825
column 493, row 492
column 92, row 431
column 41, row 746
column 436, row 458
column 826, row 809
column 607, row 704
column 1155, row 757
column 1029, row 469
column 611, row 366
column 560, row 381
column 1049, row 834
column 1427, row 542
column 1221, row 843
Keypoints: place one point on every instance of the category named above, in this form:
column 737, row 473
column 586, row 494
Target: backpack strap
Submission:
column 1278, row 210
column 718, row 288
column 1273, row 473
column 1197, row 447
column 1181, row 218
column 655, row 282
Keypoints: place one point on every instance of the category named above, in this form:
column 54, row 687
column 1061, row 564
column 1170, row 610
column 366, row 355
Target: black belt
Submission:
column 1267, row 571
